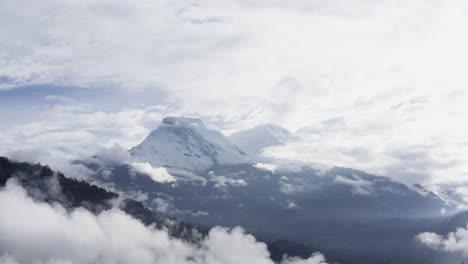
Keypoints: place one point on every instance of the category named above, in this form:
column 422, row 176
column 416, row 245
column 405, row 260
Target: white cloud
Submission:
column 398, row 83
column 136, row 195
column 166, row 206
column 291, row 204
column 157, row 174
column 235, row 247
column 456, row 242
column 115, row 154
column 162, row 205
column 112, row 236
column 79, row 236
column 316, row 258
column 223, row 181
column 288, row 187
column 266, row 166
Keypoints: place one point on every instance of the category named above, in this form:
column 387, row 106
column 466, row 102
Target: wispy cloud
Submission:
column 359, row 185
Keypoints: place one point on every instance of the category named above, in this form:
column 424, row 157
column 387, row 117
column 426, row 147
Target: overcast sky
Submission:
column 373, row 85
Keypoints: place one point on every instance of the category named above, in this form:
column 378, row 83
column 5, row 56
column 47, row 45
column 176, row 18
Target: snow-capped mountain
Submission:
column 187, row 146
column 255, row 139
column 187, row 143
column 217, row 183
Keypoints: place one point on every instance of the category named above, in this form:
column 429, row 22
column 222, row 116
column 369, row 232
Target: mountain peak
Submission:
column 186, row 143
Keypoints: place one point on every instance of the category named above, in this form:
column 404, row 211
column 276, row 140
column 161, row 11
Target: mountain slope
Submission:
column 45, row 185
column 328, row 211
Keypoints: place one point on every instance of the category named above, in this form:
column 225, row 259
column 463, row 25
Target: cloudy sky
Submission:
column 373, row 85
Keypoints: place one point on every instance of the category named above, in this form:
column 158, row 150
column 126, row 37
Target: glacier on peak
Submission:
column 186, row 143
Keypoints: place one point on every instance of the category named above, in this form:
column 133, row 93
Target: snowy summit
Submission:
column 187, row 143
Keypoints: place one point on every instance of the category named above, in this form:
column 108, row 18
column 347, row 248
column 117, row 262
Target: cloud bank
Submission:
column 36, row 232
column 455, row 242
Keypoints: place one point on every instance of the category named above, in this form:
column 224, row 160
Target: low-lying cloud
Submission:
column 157, row 174
column 221, row 181
column 456, row 242
column 36, row 232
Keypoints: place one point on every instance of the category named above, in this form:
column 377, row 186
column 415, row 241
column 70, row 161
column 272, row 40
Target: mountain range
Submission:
column 219, row 180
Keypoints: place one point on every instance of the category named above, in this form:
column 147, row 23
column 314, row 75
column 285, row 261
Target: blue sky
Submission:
column 374, row 85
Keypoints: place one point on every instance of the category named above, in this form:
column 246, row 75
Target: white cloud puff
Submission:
column 115, row 154
column 157, row 174
column 316, row 258
column 223, row 181
column 266, row 166
column 33, row 232
column 456, row 242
